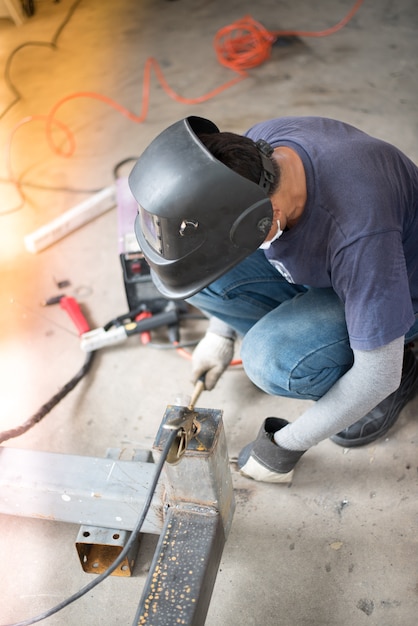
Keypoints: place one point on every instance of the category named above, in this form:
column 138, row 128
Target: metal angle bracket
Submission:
column 98, row 548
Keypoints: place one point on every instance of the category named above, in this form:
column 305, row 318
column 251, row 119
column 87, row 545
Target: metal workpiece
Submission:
column 199, row 506
column 91, row 491
column 191, row 510
column 203, row 476
column 183, row 572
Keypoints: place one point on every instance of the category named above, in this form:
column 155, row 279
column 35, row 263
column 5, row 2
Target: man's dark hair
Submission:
column 240, row 154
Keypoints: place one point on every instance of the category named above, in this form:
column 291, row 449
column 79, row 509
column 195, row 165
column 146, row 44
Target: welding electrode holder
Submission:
column 186, row 424
column 101, row 337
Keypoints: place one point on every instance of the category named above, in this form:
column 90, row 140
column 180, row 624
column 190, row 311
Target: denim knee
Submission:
column 285, row 366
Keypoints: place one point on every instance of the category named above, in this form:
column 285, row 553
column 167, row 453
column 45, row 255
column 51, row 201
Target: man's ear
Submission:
column 276, row 211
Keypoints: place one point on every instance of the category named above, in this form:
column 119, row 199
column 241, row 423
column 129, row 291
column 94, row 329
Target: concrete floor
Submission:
column 338, row 546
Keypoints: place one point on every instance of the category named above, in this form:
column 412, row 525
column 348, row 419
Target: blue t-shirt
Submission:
column 359, row 230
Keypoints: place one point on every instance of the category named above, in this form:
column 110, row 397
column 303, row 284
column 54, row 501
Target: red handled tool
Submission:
column 74, row 311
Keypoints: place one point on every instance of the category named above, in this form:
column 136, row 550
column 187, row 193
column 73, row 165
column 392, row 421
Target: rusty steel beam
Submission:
column 183, row 573
column 199, row 506
column 191, row 510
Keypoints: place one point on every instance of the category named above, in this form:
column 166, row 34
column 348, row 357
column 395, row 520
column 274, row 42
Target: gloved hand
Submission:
column 211, row 357
column 265, row 460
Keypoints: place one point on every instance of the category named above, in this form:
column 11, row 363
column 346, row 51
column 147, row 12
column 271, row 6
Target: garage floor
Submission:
column 338, row 547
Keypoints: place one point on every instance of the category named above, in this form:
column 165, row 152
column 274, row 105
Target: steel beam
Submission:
column 203, row 476
column 81, row 490
column 192, row 511
column 183, row 572
column 198, row 515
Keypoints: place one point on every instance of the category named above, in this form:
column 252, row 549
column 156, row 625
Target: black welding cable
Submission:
column 50, row 44
column 131, row 541
column 48, row 406
column 120, row 164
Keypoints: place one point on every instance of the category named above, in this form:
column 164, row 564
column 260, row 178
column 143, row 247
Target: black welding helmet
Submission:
column 197, row 217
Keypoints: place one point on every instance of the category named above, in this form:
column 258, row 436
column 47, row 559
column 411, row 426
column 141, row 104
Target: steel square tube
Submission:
column 82, row 490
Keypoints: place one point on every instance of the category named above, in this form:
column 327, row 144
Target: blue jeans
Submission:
column 295, row 340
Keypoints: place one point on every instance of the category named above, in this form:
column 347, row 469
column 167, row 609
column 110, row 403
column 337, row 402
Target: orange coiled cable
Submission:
column 243, row 44
column 240, row 46
column 246, row 43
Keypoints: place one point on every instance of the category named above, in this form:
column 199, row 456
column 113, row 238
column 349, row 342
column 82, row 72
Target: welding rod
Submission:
column 198, row 388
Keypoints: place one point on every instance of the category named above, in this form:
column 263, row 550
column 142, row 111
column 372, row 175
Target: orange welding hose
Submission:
column 247, row 43
column 239, row 46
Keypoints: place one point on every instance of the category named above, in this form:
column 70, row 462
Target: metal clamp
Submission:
column 186, row 425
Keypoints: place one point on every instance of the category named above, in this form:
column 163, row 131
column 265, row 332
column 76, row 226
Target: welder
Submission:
column 300, row 237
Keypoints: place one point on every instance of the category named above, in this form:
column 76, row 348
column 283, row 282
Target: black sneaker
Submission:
column 378, row 421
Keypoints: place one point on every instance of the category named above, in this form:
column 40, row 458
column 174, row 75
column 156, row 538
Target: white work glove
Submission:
column 213, row 353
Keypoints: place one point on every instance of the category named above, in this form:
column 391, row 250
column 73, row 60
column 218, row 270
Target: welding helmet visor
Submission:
column 197, row 218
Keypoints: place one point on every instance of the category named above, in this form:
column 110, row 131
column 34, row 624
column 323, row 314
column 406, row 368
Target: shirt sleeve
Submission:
column 375, row 375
